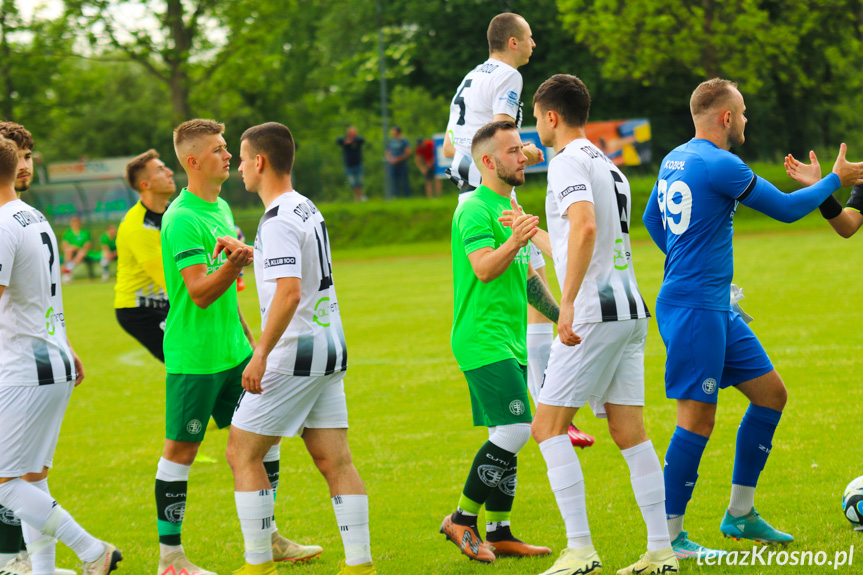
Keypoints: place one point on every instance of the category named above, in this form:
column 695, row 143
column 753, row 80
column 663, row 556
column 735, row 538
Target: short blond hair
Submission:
column 191, row 130
column 710, row 95
column 8, row 160
column 136, row 168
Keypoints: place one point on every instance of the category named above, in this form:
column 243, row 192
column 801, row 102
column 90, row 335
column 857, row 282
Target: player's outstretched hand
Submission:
column 564, row 325
column 523, row 225
column 239, row 254
column 508, row 216
column 254, row 373
column 534, row 154
column 850, row 174
column 803, row 174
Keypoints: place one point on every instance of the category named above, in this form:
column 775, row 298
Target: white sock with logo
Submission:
column 255, row 510
column 36, row 508
column 567, row 483
column 352, row 516
column 648, row 484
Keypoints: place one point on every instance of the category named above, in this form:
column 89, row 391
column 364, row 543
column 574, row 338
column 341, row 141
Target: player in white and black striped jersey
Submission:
column 38, row 371
column 295, row 380
column 598, row 356
column 490, row 92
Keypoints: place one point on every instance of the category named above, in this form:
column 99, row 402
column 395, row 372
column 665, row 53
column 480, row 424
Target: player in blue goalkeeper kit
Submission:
column 709, row 347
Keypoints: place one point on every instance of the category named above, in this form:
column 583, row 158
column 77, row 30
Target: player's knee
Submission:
column 626, row 435
column 331, row 464
column 511, row 437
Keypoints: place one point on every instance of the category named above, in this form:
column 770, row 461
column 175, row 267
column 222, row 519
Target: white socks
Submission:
column 170, row 471
column 648, row 484
column 352, row 516
column 255, row 510
column 675, row 526
column 36, row 508
column 567, row 483
column 742, row 500
column 43, row 561
column 539, row 338
column 511, row 437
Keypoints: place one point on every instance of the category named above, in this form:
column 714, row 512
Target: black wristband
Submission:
column 830, row 208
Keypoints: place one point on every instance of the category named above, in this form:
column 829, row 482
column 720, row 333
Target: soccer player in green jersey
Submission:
column 108, row 241
column 493, row 283
column 204, row 379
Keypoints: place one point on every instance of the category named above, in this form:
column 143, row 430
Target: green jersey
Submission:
column 78, row 240
column 199, row 341
column 106, row 240
column 489, row 320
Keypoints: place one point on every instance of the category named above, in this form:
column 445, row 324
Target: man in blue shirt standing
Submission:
column 398, row 152
column 709, row 347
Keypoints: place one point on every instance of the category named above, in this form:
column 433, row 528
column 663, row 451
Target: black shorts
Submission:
column 147, row 325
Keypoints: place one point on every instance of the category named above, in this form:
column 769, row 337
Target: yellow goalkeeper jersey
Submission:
column 140, row 276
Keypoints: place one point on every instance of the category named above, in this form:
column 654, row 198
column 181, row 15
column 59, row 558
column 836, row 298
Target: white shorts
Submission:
column 290, row 403
column 606, row 367
column 30, row 420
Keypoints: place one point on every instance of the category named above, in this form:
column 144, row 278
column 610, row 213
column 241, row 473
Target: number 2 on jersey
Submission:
column 459, row 101
column 675, row 200
column 46, row 239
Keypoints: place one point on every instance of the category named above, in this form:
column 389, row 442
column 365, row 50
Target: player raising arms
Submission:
column 140, row 300
column 492, row 283
column 588, row 208
column 38, row 371
column 14, row 559
column 295, row 381
column 204, row 377
column 709, row 347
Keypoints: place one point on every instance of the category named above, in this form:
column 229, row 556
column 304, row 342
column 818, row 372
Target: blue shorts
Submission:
column 354, row 176
column 707, row 351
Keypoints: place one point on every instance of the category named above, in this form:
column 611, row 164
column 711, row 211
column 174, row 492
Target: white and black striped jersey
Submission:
column 33, row 346
column 582, row 172
column 292, row 241
column 493, row 87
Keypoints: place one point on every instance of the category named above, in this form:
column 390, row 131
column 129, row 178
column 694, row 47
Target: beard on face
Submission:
column 513, row 178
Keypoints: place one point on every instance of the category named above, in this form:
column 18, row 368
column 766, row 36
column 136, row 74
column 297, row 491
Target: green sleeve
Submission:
column 182, row 240
column 475, row 229
column 85, row 236
column 68, row 236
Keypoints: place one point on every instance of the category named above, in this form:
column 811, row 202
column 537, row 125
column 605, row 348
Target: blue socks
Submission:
column 754, row 442
column 681, row 469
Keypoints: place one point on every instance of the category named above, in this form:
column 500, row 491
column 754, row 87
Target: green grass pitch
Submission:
column 411, row 431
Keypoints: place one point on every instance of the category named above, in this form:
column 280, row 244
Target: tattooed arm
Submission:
column 539, row 297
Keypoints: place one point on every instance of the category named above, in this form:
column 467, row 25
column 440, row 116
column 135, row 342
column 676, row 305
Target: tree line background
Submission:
column 94, row 82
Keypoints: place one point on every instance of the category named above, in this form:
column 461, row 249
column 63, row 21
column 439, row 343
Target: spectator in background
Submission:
column 425, row 162
column 108, row 240
column 352, row 149
column 76, row 249
column 398, row 151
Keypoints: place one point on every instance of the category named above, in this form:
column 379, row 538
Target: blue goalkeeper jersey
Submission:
column 695, row 198
column 690, row 215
